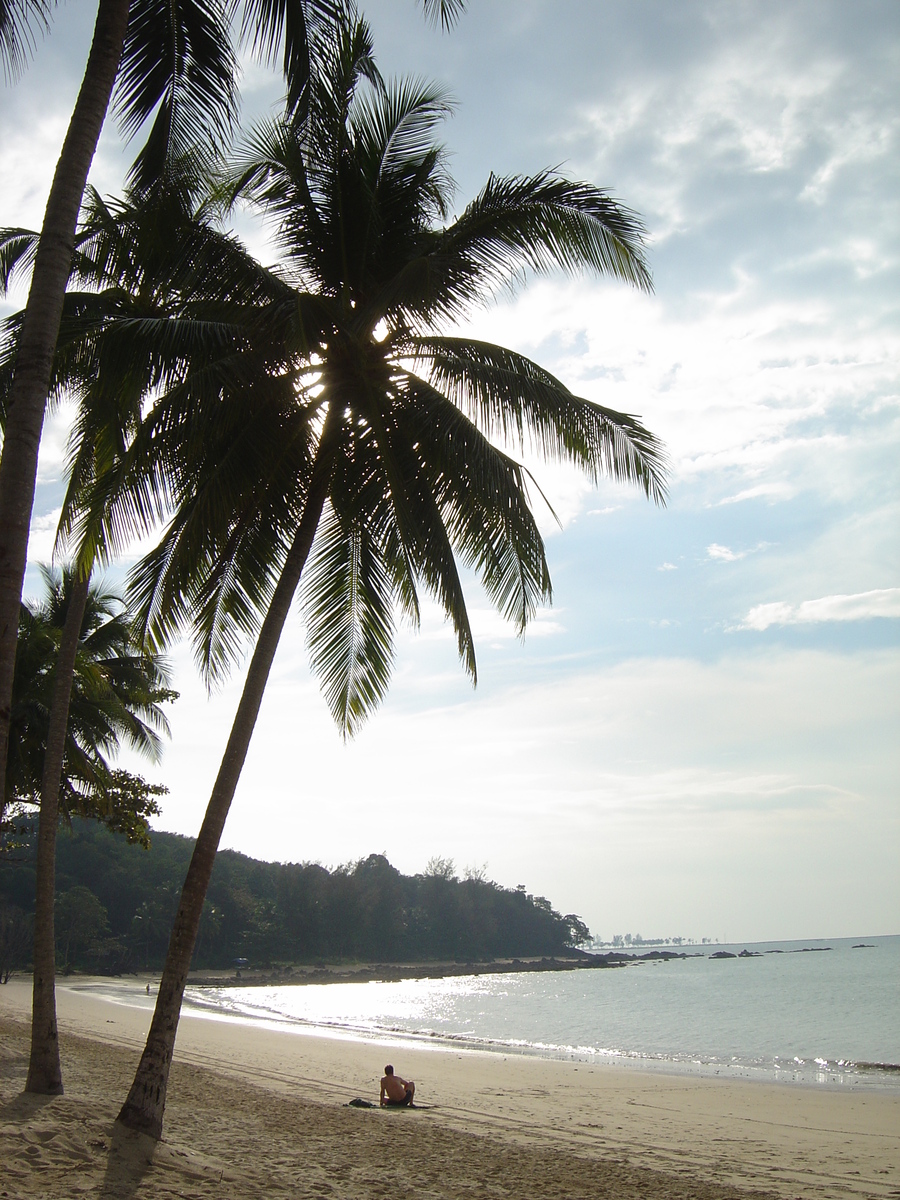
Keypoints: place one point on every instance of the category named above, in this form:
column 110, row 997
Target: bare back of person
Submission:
column 396, row 1092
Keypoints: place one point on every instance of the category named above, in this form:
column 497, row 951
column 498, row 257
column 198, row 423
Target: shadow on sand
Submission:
column 24, row 1107
column 129, row 1159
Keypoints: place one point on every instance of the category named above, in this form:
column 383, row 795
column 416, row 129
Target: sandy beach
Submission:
column 261, row 1112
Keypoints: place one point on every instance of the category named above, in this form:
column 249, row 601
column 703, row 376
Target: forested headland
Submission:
column 116, row 903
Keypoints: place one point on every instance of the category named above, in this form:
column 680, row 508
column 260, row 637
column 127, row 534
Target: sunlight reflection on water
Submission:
column 804, row 1018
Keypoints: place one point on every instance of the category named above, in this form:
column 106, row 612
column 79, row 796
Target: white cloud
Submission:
column 862, row 606
column 28, row 153
column 776, row 490
column 725, row 554
column 764, row 99
column 856, row 140
column 42, row 536
column 54, row 444
column 774, row 397
column 667, row 566
column 490, row 626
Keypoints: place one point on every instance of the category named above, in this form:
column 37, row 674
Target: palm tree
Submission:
column 174, row 59
column 117, row 689
column 109, row 406
column 117, row 695
column 312, row 423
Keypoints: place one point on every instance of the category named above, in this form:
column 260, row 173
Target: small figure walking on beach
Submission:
column 395, row 1091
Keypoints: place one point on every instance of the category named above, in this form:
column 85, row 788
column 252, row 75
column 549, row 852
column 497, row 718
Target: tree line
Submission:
column 116, row 901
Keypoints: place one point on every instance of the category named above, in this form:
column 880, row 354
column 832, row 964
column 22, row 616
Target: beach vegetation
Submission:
column 281, row 914
column 80, row 921
column 441, row 868
column 118, row 691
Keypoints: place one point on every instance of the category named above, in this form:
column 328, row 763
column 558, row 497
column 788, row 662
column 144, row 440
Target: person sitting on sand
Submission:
column 395, row 1091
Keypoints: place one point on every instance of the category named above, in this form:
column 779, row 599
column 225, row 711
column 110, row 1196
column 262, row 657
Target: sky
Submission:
column 700, row 737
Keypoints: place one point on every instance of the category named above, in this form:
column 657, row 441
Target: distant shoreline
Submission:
column 396, row 972
column 579, row 960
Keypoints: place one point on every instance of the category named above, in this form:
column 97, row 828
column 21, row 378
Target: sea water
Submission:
column 796, row 1011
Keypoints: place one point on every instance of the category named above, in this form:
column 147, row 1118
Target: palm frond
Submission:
column 17, row 250
column 394, row 125
column 540, row 223
column 348, row 606
column 238, row 487
column 482, row 495
column 20, row 23
column 177, row 60
column 296, row 26
column 445, row 12
column 403, row 502
column 512, row 397
column 117, row 692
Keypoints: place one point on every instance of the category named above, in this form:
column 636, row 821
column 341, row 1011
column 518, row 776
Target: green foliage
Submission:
column 365, row 911
column 440, row 868
column 15, row 939
column 124, row 804
column 80, row 921
column 117, row 694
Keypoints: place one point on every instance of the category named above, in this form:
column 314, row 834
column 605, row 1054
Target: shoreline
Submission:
column 648, row 1133
column 208, row 999
column 398, row 972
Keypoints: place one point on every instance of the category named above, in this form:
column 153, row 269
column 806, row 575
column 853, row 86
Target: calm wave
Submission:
column 830, row 1017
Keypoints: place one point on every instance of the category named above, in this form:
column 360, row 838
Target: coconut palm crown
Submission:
column 322, row 391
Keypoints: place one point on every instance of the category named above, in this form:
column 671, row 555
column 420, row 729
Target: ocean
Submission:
column 817, row 1013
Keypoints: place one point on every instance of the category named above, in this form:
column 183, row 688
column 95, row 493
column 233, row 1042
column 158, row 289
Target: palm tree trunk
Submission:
column 44, row 1071
column 144, row 1108
column 28, row 396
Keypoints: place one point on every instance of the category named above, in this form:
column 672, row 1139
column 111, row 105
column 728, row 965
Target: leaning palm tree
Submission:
column 179, row 61
column 176, row 59
column 109, row 406
column 119, row 280
column 314, row 426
